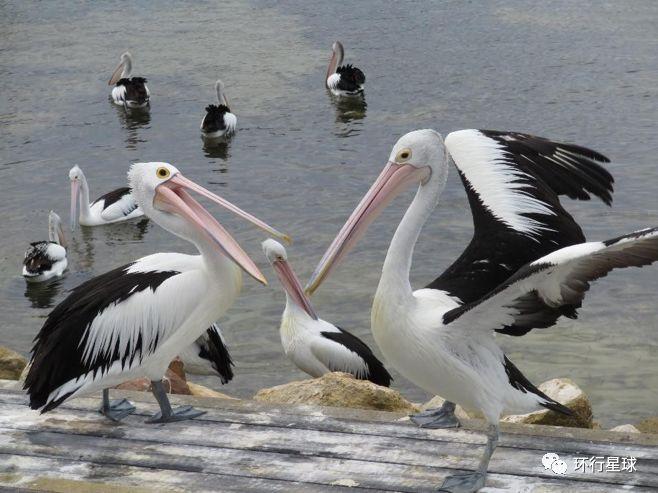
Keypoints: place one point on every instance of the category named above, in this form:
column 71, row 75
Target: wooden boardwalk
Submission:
column 246, row 446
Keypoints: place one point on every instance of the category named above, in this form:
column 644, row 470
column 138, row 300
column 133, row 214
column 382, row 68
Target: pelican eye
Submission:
column 162, row 172
column 403, row 155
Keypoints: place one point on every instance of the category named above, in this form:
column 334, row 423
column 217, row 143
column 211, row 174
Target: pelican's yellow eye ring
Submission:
column 162, row 172
column 403, row 155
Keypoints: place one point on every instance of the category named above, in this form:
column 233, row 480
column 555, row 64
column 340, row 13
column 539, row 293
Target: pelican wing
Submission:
column 513, row 181
column 118, row 204
column 209, row 355
column 552, row 286
column 108, row 325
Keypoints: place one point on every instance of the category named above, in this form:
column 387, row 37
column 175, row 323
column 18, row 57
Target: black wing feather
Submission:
column 213, row 349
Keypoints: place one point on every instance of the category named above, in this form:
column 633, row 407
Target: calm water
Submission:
column 577, row 71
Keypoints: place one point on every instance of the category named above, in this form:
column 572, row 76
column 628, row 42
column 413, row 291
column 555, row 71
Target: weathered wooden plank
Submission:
column 264, row 438
column 360, row 415
column 69, row 476
column 319, row 421
column 103, row 469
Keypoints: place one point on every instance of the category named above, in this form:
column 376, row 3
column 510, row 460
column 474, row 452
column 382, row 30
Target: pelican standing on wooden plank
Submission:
column 132, row 321
column 343, row 80
column 45, row 260
column 219, row 121
column 115, row 206
column 443, row 345
column 317, row 347
column 129, row 92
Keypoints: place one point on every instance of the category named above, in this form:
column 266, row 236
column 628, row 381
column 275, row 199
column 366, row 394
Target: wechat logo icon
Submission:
column 553, row 462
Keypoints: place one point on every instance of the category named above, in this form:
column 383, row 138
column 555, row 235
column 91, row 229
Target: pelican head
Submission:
column 55, row 231
column 278, row 259
column 78, row 180
column 123, row 70
column 162, row 193
column 416, row 158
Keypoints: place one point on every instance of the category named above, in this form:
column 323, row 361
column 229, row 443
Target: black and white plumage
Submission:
column 129, row 92
column 115, row 206
column 218, row 121
column 315, row 346
column 446, row 345
column 45, row 260
column 132, row 321
column 343, row 80
column 209, row 355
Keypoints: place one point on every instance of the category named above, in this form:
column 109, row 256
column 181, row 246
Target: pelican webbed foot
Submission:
column 463, row 483
column 443, row 417
column 115, row 410
column 166, row 413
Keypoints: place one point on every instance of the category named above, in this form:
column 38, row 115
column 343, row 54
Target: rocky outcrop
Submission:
column 338, row 390
column 625, row 429
column 201, row 391
column 11, row 364
column 648, row 425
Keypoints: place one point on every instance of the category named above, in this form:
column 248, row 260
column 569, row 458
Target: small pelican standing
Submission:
column 129, row 92
column 46, row 259
column 448, row 347
column 219, row 121
column 313, row 345
column 117, row 205
column 133, row 320
column 343, row 80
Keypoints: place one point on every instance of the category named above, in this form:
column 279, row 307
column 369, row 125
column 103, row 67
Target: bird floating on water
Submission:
column 45, row 260
column 133, row 320
column 115, row 206
column 317, row 347
column 129, row 92
column 445, row 345
column 219, row 121
column 343, row 80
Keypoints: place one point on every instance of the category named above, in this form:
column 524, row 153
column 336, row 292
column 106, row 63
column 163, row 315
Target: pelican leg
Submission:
column 166, row 413
column 473, row 481
column 443, row 417
column 115, row 410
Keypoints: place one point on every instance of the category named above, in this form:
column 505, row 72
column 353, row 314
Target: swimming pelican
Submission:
column 129, row 92
column 133, row 320
column 46, row 259
column 208, row 355
column 317, row 347
column 219, row 121
column 443, row 345
column 343, row 80
column 117, row 205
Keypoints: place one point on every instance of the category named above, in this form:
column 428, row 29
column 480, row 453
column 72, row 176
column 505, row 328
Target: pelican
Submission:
column 129, row 92
column 117, row 205
column 343, row 80
column 219, row 121
column 208, row 355
column 133, row 320
column 443, row 345
column 317, row 347
column 46, row 259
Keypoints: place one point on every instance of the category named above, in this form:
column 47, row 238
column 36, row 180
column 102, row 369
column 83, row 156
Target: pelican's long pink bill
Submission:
column 116, row 75
column 293, row 287
column 392, row 180
column 181, row 181
column 75, row 190
column 181, row 203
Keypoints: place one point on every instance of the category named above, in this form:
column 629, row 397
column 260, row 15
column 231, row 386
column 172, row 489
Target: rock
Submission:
column 201, row 391
column 174, row 381
column 11, row 364
column 625, row 429
column 566, row 392
column 648, row 425
column 338, row 390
